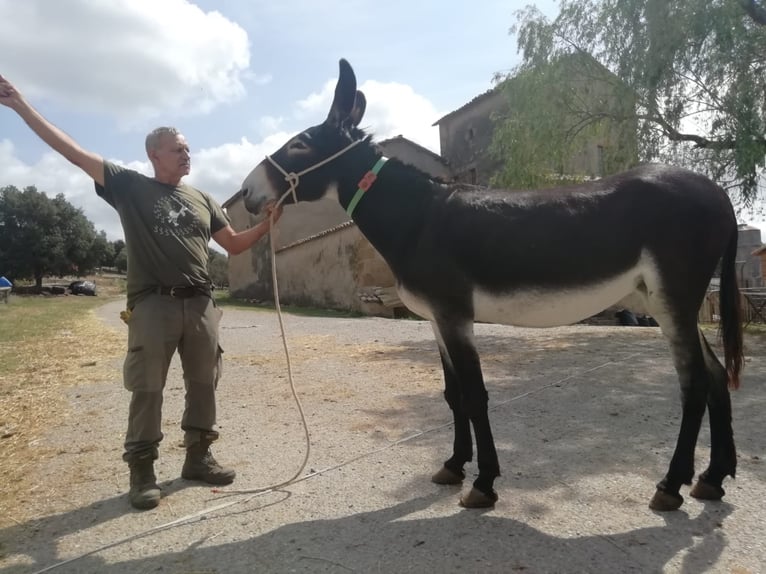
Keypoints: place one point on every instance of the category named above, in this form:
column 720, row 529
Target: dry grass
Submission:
column 47, row 344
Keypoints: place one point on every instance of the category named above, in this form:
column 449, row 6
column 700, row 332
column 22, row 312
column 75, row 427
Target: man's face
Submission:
column 171, row 156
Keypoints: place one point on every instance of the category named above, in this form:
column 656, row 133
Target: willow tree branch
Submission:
column 755, row 10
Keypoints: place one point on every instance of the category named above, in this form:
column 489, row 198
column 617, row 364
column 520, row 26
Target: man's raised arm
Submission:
column 89, row 162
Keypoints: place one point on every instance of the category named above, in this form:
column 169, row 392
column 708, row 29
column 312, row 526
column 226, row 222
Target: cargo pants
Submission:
column 158, row 326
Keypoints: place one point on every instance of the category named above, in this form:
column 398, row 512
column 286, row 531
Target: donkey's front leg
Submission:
column 460, row 358
column 462, row 447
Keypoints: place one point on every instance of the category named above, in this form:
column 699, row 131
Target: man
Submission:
column 167, row 226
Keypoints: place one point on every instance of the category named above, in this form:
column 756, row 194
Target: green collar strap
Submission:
column 365, row 183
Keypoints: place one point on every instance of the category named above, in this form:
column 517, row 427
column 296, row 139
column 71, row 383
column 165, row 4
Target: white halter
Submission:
column 293, row 179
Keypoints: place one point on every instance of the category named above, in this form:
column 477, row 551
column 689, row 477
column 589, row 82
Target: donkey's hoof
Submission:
column 447, row 476
column 478, row 499
column 664, row 501
column 706, row 491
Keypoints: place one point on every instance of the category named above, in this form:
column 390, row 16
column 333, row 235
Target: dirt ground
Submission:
column 584, row 418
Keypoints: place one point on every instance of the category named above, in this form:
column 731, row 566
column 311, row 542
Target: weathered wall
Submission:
column 328, row 271
column 465, row 136
column 250, row 272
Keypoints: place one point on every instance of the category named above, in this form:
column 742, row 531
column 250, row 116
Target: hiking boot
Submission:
column 144, row 492
column 200, row 465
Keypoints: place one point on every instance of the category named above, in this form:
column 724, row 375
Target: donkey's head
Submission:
column 304, row 163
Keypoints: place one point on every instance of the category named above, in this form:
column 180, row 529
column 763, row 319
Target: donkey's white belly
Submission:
column 547, row 307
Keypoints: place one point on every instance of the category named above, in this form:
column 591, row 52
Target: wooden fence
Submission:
column 752, row 301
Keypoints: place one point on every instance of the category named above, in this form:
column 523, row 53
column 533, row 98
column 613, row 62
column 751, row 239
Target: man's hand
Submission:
column 9, row 95
column 91, row 163
column 235, row 243
column 274, row 212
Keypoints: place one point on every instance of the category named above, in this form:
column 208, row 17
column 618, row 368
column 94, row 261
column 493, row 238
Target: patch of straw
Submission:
column 33, row 401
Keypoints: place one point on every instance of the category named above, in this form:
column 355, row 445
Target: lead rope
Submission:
column 290, row 178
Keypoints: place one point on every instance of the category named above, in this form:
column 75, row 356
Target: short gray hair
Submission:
column 153, row 138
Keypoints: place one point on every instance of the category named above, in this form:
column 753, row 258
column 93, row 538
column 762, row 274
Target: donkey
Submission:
column 537, row 259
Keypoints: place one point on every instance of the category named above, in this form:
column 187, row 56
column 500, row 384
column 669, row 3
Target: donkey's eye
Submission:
column 298, row 145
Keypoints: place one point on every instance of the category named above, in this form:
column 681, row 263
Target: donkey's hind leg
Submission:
column 723, row 454
column 694, row 379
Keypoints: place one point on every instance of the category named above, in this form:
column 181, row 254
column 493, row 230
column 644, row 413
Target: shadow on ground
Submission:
column 397, row 540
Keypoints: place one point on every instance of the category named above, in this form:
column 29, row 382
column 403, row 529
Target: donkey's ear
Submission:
column 345, row 95
column 357, row 112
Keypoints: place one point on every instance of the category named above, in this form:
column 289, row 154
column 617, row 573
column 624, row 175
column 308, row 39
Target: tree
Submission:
column 41, row 236
column 218, row 268
column 121, row 261
column 695, row 69
column 102, row 251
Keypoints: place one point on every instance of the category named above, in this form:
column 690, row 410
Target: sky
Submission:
column 237, row 77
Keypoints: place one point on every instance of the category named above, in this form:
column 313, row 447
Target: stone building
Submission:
column 465, row 134
column 749, row 253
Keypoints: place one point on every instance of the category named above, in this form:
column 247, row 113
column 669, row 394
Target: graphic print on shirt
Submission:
column 174, row 216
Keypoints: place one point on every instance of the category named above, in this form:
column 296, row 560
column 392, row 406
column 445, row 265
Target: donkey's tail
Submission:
column 731, row 313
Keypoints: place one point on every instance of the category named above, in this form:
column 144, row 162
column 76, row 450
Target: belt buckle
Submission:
column 173, row 291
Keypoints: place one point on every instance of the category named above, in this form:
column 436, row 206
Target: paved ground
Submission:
column 585, row 419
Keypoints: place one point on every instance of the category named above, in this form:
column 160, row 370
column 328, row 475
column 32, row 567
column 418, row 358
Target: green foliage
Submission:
column 218, row 268
column 102, row 250
column 121, row 260
column 695, row 70
column 41, row 236
column 543, row 139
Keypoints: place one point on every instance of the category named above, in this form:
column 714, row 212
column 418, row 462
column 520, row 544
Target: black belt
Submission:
column 184, row 291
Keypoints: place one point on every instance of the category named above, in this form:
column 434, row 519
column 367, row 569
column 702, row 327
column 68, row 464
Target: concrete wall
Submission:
column 329, row 270
column 250, row 272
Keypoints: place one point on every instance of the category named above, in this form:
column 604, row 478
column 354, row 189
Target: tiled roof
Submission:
column 417, row 146
column 468, row 104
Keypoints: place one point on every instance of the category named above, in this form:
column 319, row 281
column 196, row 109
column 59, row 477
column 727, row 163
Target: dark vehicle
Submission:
column 82, row 288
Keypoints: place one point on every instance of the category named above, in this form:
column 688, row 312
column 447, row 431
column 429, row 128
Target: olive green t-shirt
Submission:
column 167, row 229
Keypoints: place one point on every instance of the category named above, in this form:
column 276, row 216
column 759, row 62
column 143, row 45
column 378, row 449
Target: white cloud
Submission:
column 54, row 175
column 132, row 58
column 395, row 109
column 392, row 109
